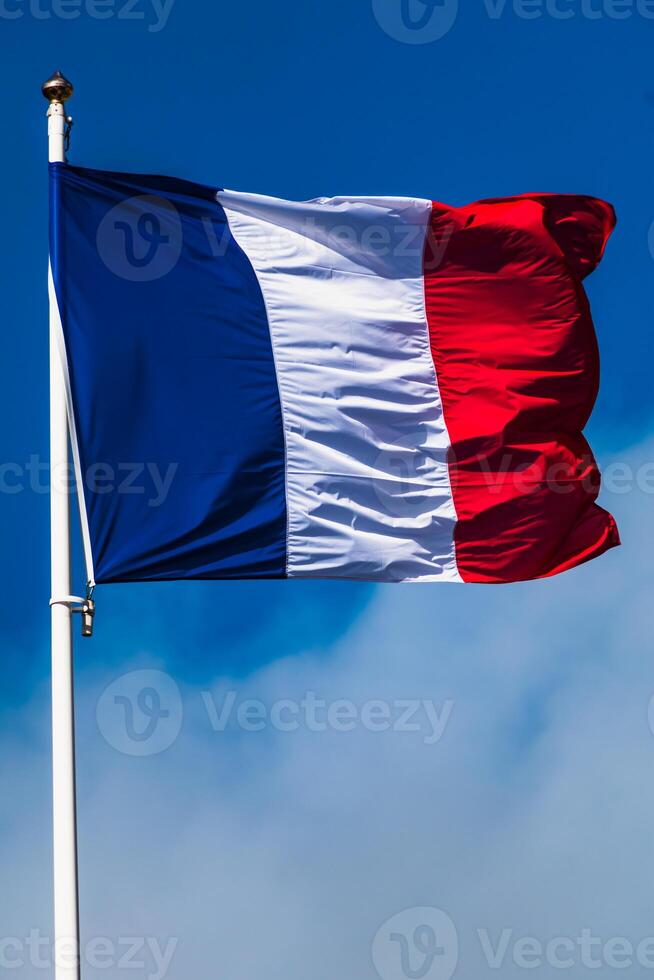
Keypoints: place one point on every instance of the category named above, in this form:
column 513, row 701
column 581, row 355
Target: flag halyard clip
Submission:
column 84, row 606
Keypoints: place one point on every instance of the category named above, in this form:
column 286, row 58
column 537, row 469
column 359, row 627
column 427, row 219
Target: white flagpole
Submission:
column 64, row 818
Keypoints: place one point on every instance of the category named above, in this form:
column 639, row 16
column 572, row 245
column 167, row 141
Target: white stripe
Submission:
column 79, row 481
column 368, row 487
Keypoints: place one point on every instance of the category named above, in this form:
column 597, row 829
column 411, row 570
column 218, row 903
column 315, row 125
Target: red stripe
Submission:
column 518, row 368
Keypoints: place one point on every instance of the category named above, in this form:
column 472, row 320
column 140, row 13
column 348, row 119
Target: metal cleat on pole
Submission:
column 84, row 606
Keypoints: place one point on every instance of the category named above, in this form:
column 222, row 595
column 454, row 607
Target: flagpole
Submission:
column 64, row 818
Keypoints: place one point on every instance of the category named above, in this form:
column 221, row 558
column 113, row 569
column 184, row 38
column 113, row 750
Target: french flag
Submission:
column 384, row 389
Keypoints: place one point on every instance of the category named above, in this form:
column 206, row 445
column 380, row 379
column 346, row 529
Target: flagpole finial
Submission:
column 57, row 88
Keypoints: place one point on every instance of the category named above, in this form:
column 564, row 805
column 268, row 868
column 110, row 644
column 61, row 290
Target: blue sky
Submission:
column 270, row 853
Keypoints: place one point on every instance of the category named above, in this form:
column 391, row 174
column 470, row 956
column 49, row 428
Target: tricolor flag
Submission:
column 387, row 389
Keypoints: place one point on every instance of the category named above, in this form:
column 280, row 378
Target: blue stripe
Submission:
column 173, row 379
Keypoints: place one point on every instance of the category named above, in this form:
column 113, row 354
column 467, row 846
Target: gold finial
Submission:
column 57, row 88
